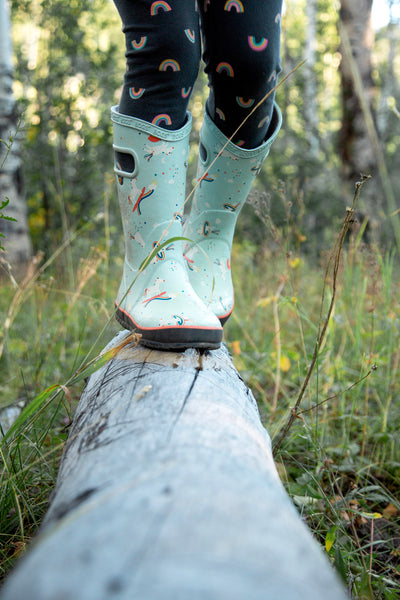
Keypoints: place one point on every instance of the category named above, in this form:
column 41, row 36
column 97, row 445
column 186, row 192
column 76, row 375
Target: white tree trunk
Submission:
column 167, row 491
column 16, row 242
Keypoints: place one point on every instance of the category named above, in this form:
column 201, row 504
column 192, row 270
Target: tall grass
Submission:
column 340, row 458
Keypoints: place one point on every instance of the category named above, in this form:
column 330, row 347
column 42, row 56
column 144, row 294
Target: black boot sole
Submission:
column 171, row 338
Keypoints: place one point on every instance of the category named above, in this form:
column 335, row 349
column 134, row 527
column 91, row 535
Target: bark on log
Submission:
column 167, row 491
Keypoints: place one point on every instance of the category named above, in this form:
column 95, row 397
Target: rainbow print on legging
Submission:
column 257, row 46
column 190, row 35
column 224, row 67
column 169, row 63
column 240, row 39
column 185, row 92
column 136, row 94
column 163, row 118
column 140, row 44
column 244, row 103
column 236, row 5
column 159, row 6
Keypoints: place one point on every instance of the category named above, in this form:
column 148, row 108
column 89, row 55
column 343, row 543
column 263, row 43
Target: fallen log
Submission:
column 167, row 490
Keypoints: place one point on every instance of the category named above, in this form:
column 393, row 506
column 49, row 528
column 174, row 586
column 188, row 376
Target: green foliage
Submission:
column 340, row 462
column 68, row 70
column 4, row 204
column 341, row 459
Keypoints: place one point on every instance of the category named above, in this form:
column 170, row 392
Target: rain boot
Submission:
column 224, row 179
column 158, row 301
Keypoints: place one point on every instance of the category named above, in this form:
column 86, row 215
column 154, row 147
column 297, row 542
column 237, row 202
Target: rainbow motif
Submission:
column 185, row 92
column 278, row 18
column 179, row 319
column 234, row 5
column 140, row 44
column 257, row 46
column 162, row 118
column 231, row 207
column 190, row 35
column 142, row 196
column 244, row 103
column 157, row 297
column 240, row 143
column 161, row 254
column 159, row 6
column 263, row 122
column 189, row 262
column 169, row 63
column 136, row 94
column 220, row 114
column 206, row 178
column 224, row 67
column 178, row 217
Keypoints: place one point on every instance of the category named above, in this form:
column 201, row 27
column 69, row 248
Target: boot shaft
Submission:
column 150, row 167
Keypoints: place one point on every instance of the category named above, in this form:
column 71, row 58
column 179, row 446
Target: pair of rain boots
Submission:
column 176, row 288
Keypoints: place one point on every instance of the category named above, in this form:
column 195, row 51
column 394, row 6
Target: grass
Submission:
column 340, row 457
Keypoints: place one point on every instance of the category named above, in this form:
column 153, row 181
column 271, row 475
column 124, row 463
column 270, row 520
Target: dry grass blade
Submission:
column 334, row 261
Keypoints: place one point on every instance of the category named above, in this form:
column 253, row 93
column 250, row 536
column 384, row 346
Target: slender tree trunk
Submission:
column 17, row 242
column 310, row 82
column 355, row 147
column 390, row 87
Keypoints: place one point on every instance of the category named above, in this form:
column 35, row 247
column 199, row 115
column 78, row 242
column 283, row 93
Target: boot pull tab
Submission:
column 125, row 162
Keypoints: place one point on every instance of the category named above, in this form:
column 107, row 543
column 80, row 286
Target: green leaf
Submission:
column 330, row 538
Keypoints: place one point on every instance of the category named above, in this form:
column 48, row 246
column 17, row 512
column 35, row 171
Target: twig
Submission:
column 335, row 258
column 278, row 345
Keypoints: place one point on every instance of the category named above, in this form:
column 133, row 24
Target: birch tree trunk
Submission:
column 167, row 491
column 16, row 240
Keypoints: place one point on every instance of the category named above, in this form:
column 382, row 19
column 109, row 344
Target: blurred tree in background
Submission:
column 67, row 74
column 69, row 64
column 13, row 217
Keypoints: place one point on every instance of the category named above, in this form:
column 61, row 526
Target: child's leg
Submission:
column 151, row 143
column 242, row 56
column 242, row 62
column 163, row 53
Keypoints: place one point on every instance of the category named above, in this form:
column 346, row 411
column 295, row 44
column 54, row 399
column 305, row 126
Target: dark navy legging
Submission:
column 241, row 52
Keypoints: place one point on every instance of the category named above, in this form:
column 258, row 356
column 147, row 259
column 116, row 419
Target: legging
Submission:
column 241, row 52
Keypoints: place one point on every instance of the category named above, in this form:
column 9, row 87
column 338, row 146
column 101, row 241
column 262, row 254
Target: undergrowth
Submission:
column 340, row 458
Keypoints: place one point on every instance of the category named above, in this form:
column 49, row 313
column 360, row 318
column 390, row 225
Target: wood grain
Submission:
column 168, row 491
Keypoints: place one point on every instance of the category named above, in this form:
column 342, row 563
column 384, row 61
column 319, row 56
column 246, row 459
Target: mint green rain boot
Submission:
column 158, row 302
column 223, row 185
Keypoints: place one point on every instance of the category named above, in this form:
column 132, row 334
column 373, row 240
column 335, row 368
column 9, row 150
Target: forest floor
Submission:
column 333, row 321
